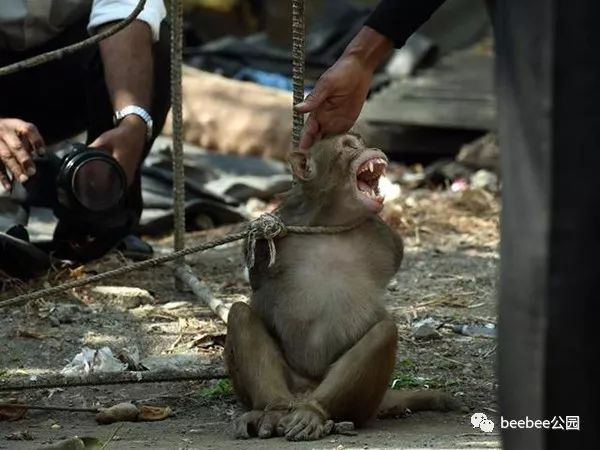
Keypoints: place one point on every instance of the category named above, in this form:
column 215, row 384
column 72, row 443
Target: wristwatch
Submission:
column 138, row 111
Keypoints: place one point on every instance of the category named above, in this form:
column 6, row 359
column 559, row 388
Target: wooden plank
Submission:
column 458, row 92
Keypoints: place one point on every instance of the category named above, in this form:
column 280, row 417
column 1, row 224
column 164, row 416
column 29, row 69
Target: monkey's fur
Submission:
column 316, row 343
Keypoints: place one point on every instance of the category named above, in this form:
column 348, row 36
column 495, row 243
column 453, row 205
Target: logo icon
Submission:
column 480, row 420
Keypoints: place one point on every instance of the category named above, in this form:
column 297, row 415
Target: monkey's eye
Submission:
column 349, row 142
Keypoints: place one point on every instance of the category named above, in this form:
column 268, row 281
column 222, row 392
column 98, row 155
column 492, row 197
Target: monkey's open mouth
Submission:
column 369, row 170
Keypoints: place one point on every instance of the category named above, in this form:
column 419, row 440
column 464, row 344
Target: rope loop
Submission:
column 268, row 227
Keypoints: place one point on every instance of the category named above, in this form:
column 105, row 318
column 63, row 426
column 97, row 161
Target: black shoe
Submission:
column 19, row 258
column 135, row 248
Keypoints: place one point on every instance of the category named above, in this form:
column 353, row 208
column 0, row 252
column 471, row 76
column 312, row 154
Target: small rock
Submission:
column 126, row 297
column 345, row 428
column 64, row 313
column 426, row 331
column 56, row 426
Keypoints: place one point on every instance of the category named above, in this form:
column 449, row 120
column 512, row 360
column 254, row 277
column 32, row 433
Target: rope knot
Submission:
column 268, row 227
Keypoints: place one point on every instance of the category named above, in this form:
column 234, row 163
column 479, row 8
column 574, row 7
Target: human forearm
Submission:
column 128, row 66
column 370, row 47
column 398, row 19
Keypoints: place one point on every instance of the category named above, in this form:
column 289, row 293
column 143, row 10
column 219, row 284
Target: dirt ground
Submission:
column 449, row 275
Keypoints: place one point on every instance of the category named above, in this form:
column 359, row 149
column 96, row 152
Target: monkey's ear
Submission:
column 302, row 165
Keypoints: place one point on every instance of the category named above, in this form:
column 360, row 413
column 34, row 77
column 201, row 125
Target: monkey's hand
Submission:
column 306, row 422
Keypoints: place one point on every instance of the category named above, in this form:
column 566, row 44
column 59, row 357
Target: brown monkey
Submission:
column 316, row 343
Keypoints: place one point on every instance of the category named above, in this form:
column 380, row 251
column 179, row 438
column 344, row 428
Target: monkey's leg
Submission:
column 396, row 403
column 352, row 389
column 258, row 373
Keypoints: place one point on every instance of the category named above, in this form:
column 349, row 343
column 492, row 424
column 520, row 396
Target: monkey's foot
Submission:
column 258, row 423
column 304, row 424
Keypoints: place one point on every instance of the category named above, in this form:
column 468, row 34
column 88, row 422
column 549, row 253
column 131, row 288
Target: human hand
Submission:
column 125, row 143
column 339, row 95
column 19, row 140
column 336, row 101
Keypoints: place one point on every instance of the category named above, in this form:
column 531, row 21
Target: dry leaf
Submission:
column 208, row 340
column 12, row 413
column 122, row 412
column 30, row 334
column 151, row 413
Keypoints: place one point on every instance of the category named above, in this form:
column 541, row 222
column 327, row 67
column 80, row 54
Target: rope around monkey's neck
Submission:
column 268, row 227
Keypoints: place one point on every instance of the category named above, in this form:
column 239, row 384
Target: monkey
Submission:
column 315, row 343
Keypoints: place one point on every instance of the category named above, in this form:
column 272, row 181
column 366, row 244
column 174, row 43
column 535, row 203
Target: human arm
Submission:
column 128, row 68
column 338, row 97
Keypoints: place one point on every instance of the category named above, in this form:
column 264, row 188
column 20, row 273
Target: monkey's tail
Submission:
column 396, row 403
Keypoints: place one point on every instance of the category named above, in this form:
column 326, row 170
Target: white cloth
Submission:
column 104, row 11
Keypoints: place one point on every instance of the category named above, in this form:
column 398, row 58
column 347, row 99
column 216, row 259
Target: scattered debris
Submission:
column 131, row 357
column 90, row 361
column 19, row 436
column 64, row 313
column 459, row 185
column 21, row 332
column 484, row 179
column 125, row 297
column 122, row 412
column 76, row 443
column 208, row 340
column 128, row 412
column 175, row 305
column 487, row 331
column 426, row 331
column 390, row 191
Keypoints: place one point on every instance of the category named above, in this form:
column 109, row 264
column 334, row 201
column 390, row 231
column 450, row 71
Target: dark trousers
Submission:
column 65, row 97
column 548, row 76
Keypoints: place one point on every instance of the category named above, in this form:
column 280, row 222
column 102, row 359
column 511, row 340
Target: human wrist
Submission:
column 369, row 47
column 135, row 126
column 134, row 114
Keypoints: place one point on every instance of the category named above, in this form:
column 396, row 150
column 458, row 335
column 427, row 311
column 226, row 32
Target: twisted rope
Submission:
column 62, row 52
column 267, row 226
column 298, row 58
column 177, row 117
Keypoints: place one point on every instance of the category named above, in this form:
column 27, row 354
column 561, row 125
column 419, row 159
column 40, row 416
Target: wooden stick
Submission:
column 186, row 275
column 53, row 380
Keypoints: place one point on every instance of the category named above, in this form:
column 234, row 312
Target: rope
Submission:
column 177, row 115
column 267, row 226
column 62, row 52
column 298, row 58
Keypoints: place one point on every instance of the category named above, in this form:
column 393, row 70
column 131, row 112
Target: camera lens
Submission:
column 97, row 184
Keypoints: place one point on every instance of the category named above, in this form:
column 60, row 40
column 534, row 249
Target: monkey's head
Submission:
column 342, row 174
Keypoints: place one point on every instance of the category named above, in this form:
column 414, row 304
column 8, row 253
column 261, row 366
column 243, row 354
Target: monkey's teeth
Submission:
column 371, row 166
